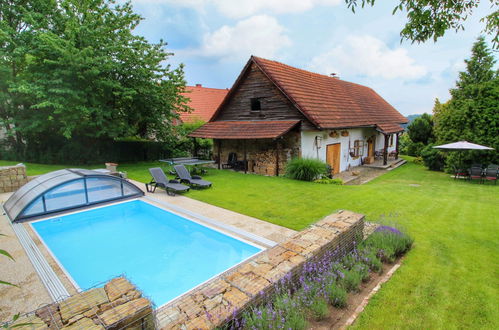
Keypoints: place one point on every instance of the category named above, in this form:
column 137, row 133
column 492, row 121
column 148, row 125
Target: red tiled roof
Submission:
column 257, row 129
column 330, row 102
column 204, row 102
column 390, row 128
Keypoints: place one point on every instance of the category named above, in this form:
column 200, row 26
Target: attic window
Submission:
column 255, row 104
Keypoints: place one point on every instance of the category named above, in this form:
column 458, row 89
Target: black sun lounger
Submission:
column 159, row 179
column 186, row 177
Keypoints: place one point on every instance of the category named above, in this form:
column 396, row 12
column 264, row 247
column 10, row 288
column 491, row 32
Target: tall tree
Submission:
column 472, row 113
column 421, row 129
column 75, row 69
column 430, row 19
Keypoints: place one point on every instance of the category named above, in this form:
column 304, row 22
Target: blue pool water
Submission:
column 164, row 254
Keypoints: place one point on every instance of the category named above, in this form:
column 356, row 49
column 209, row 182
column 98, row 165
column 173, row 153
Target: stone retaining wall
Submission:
column 12, row 178
column 117, row 305
column 225, row 296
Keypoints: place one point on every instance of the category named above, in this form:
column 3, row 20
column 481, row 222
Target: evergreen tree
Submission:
column 421, row 129
column 472, row 113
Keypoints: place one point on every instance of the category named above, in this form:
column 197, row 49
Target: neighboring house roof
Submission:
column 255, row 129
column 330, row 102
column 204, row 102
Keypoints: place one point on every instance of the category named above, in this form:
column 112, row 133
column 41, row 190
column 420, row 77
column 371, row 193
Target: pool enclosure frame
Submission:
column 49, row 187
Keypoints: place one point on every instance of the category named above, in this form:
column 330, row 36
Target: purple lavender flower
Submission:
column 388, row 229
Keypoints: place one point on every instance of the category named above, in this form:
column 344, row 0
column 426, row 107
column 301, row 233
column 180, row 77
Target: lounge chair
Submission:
column 491, row 173
column 476, row 173
column 159, row 179
column 186, row 177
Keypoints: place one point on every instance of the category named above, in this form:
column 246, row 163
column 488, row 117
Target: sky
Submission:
column 215, row 38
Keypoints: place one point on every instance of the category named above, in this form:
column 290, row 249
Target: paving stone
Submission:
column 216, row 287
column 117, row 287
column 262, row 269
column 246, row 268
column 127, row 313
column 235, row 298
column 84, row 323
column 82, row 302
column 200, row 322
column 250, row 283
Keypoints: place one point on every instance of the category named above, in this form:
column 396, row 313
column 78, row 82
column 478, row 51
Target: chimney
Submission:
column 199, row 85
column 334, row 75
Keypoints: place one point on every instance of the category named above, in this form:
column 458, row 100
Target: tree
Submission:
column 75, row 69
column 472, row 112
column 421, row 129
column 430, row 19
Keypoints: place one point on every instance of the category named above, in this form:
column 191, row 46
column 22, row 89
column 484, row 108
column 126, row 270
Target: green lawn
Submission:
column 451, row 277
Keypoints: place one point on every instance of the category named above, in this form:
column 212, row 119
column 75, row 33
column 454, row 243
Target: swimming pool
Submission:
column 164, row 254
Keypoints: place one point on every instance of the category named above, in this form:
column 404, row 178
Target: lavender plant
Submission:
column 323, row 280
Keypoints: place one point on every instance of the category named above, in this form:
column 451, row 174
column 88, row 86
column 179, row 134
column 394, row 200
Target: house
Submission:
column 275, row 112
column 203, row 101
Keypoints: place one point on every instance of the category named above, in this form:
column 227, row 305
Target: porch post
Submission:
column 277, row 147
column 385, row 150
column 195, row 145
column 397, row 146
column 219, row 153
column 245, row 160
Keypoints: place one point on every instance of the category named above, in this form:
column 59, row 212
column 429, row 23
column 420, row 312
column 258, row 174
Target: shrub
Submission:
column 337, row 296
column 418, row 160
column 352, row 280
column 370, row 258
column 433, row 158
column 282, row 311
column 329, row 181
column 414, row 148
column 389, row 242
column 306, row 169
column 318, row 309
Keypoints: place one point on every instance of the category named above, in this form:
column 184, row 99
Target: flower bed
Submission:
column 324, row 282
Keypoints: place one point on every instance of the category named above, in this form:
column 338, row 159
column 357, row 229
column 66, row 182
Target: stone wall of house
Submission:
column 12, row 177
column 225, row 297
column 261, row 154
column 117, row 305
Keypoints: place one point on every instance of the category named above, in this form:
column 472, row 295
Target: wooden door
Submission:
column 370, row 148
column 333, row 153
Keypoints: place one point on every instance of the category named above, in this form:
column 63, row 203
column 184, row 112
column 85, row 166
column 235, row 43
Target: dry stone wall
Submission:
column 224, row 297
column 117, row 305
column 12, row 177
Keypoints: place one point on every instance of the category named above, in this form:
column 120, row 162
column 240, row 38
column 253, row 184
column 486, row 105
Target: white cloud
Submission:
column 242, row 8
column 245, row 8
column 260, row 35
column 367, row 55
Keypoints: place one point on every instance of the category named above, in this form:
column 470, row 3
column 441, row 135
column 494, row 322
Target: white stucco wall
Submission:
column 309, row 150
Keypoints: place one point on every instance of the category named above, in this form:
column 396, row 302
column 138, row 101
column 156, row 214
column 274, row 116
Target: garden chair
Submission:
column 186, row 177
column 231, row 161
column 491, row 173
column 460, row 173
column 476, row 173
column 159, row 179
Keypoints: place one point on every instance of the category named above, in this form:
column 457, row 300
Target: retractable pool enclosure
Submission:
column 67, row 189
